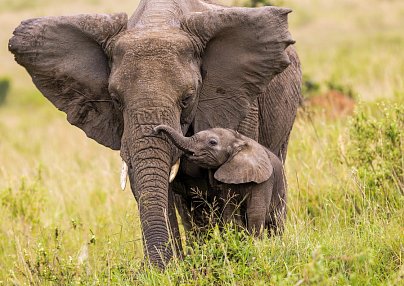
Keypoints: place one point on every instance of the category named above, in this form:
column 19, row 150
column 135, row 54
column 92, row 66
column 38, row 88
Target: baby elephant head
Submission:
column 237, row 158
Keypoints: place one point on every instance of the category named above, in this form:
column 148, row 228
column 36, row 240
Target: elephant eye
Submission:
column 186, row 99
column 212, row 142
column 116, row 101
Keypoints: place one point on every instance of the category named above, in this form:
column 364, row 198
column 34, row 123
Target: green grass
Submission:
column 337, row 233
column 64, row 220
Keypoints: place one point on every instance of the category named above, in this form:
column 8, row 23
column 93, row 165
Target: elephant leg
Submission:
column 182, row 209
column 192, row 203
column 257, row 207
column 229, row 207
column 175, row 231
column 277, row 207
column 277, row 216
column 255, row 216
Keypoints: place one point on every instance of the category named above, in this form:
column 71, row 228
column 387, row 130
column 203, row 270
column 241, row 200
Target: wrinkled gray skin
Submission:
column 248, row 179
column 187, row 64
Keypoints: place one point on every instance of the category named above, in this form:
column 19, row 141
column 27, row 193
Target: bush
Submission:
column 375, row 152
column 259, row 3
column 344, row 89
column 26, row 203
column 309, row 86
column 4, row 88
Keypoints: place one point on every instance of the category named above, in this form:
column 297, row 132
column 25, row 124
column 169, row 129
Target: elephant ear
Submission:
column 68, row 62
column 250, row 164
column 244, row 50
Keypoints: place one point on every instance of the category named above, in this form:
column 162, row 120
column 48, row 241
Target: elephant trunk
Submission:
column 181, row 142
column 150, row 187
column 149, row 159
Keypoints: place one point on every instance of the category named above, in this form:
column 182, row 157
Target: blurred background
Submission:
column 59, row 191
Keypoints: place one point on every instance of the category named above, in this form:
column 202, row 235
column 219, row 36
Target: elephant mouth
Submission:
column 191, row 155
column 189, row 152
column 195, row 157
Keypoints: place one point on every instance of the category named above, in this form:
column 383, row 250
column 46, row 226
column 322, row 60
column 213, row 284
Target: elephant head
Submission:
column 186, row 64
column 235, row 158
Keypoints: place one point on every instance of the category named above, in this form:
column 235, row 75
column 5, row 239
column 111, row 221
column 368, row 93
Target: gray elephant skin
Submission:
column 248, row 179
column 188, row 64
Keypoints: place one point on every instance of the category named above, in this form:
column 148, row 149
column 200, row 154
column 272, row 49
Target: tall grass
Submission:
column 83, row 230
column 64, row 220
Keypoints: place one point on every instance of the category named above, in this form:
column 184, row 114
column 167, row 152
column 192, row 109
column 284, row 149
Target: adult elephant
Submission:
column 188, row 64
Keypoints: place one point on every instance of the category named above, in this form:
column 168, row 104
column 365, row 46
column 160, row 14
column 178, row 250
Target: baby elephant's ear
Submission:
column 251, row 164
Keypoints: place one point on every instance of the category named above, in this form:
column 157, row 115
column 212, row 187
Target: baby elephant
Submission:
column 246, row 172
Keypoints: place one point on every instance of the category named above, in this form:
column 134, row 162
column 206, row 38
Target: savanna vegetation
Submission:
column 64, row 220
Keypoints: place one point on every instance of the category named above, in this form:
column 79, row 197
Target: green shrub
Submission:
column 344, row 89
column 4, row 88
column 26, row 203
column 375, row 152
column 309, row 87
column 259, row 3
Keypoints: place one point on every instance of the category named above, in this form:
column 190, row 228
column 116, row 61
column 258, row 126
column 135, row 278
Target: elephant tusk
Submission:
column 174, row 171
column 124, row 174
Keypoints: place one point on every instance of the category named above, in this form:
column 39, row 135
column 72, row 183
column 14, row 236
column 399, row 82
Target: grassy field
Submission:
column 64, row 220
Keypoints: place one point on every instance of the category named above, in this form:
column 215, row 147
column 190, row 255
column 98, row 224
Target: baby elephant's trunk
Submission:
column 183, row 143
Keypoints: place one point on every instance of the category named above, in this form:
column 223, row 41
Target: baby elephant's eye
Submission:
column 212, row 142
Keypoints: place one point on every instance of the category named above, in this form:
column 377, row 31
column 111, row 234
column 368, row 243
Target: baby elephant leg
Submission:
column 277, row 214
column 257, row 207
column 230, row 207
column 277, row 207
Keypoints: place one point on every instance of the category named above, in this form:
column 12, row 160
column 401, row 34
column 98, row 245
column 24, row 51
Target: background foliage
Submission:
column 65, row 222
